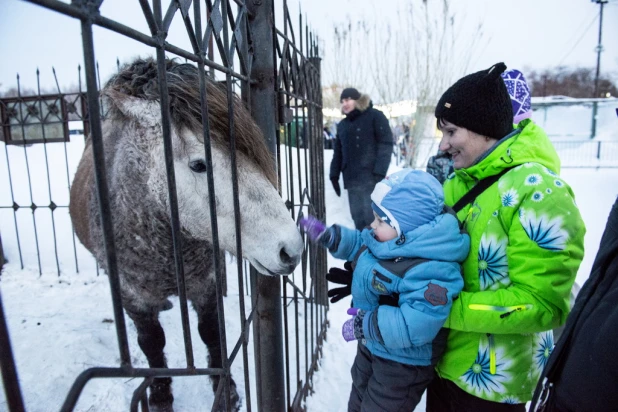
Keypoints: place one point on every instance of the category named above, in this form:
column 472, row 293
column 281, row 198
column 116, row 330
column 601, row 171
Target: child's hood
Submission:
column 441, row 239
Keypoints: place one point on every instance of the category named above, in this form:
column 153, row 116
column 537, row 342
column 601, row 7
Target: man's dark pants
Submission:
column 380, row 384
column 359, row 198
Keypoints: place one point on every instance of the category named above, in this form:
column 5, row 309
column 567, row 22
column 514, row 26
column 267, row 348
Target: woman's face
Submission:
column 462, row 144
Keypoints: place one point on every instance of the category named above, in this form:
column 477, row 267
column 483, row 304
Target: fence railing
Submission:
column 572, row 153
column 288, row 315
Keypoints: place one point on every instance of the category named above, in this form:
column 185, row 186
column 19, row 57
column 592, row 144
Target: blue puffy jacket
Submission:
column 424, row 271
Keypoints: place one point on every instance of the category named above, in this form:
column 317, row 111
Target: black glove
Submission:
column 335, row 181
column 342, row 277
column 378, row 177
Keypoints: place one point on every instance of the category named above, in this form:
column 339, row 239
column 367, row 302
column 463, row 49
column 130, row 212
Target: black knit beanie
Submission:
column 349, row 93
column 479, row 102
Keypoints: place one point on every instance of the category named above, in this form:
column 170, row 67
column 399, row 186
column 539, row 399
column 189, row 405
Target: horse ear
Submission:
column 146, row 111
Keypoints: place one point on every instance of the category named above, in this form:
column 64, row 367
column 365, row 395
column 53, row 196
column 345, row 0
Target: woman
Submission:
column 526, row 246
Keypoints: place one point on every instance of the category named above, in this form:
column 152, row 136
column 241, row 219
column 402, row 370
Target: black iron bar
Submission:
column 127, row 372
column 286, row 342
column 128, row 32
column 169, row 16
column 103, row 190
column 49, row 191
column 235, row 198
column 150, row 20
column 139, row 392
column 297, row 340
column 32, row 205
column 14, row 206
column 10, row 379
column 166, row 126
column 244, row 57
column 66, row 165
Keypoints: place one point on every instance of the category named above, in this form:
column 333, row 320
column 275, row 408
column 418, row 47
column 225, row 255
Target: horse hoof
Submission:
column 234, row 400
column 161, row 398
column 160, row 408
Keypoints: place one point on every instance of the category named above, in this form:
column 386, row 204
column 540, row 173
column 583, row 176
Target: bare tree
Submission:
column 569, row 81
column 414, row 56
column 348, row 65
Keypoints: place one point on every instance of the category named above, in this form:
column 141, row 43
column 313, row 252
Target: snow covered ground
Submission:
column 63, row 325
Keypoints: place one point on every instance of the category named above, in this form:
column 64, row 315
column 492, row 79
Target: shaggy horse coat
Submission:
column 137, row 180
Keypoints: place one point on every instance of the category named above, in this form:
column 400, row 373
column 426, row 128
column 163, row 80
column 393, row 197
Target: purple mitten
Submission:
column 312, row 227
column 352, row 328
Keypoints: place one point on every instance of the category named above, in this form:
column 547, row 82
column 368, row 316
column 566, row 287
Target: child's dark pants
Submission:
column 380, row 384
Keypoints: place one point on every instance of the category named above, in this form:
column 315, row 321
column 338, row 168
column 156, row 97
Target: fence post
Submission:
column 593, row 128
column 599, row 149
column 266, row 290
column 319, row 264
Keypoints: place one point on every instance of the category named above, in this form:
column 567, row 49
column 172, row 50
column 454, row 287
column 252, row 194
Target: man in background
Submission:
column 362, row 152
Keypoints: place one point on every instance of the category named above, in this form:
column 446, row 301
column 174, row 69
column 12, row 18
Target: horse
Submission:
column 140, row 207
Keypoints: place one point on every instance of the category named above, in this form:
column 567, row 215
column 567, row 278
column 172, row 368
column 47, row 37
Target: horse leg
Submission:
column 208, row 327
column 151, row 339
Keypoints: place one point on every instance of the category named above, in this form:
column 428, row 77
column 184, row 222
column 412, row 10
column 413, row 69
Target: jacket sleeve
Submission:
column 384, row 143
column 426, row 296
column 346, row 243
column 543, row 252
column 337, row 162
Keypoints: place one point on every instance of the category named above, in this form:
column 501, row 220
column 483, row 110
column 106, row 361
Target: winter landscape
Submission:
column 61, row 325
column 57, row 301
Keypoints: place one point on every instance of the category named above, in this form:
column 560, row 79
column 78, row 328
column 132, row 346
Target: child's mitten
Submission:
column 317, row 230
column 353, row 328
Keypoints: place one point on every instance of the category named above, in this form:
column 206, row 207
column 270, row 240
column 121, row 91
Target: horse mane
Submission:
column 139, row 79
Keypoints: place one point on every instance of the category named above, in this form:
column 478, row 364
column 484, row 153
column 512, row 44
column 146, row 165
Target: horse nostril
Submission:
column 286, row 258
column 283, row 255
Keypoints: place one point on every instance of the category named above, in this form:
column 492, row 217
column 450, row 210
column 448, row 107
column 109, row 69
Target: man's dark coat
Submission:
column 363, row 146
column 583, row 367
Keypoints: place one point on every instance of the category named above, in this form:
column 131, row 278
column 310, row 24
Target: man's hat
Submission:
column 349, row 93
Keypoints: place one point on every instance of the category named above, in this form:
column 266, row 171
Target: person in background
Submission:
column 411, row 255
column 582, row 372
column 526, row 244
column 328, row 137
column 441, row 165
column 362, row 152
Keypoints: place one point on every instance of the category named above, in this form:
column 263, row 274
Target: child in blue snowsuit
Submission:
column 411, row 253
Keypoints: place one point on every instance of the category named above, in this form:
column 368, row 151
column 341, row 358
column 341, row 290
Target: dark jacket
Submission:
column 583, row 366
column 363, row 145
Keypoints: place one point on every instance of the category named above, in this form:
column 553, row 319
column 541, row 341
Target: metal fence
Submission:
column 277, row 73
column 572, row 153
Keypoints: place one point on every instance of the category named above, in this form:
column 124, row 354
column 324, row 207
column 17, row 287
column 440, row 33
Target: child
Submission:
column 411, row 252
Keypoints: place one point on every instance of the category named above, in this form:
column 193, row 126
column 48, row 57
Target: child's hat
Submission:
column 408, row 199
column 520, row 94
column 479, row 102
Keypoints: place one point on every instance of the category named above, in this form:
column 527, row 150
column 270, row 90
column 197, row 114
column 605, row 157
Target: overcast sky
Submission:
column 523, row 34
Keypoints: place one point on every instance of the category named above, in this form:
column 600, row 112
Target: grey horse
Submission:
column 135, row 164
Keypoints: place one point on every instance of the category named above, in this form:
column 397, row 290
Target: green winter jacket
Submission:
column 526, row 244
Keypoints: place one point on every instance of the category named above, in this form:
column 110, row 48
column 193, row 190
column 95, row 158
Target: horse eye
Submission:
column 198, row 166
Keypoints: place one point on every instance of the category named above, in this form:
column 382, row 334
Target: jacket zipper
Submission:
column 492, row 354
column 506, row 310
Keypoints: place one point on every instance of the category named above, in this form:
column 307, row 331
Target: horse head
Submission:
column 136, row 164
